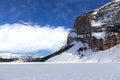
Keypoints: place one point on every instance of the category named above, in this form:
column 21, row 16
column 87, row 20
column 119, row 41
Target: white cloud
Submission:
column 25, row 38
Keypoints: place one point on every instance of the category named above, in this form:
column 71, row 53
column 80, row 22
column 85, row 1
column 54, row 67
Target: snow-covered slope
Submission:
column 110, row 55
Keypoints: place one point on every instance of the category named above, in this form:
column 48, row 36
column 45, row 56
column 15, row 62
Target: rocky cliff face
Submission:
column 98, row 29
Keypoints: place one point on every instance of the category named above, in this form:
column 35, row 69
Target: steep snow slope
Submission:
column 110, row 55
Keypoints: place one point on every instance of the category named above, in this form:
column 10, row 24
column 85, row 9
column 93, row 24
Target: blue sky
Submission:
column 43, row 12
column 58, row 14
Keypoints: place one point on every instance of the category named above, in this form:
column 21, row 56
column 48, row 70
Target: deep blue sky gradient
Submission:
column 46, row 12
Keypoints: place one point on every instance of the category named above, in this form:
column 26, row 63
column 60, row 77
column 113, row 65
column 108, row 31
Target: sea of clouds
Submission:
column 25, row 38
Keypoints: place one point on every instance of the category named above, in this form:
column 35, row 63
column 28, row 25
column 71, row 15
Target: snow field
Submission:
column 60, row 71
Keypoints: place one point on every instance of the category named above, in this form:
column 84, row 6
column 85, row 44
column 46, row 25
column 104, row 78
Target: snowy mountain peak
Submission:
column 9, row 57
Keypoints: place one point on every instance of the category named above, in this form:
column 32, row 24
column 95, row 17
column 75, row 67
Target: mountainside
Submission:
column 110, row 55
column 99, row 29
column 94, row 34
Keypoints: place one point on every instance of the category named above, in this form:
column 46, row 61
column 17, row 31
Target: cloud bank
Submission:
column 25, row 38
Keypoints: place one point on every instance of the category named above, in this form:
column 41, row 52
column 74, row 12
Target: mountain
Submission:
column 98, row 29
column 95, row 35
column 9, row 57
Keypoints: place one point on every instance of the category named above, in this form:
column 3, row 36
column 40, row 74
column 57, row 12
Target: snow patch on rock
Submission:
column 99, row 35
column 73, row 35
column 96, row 23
